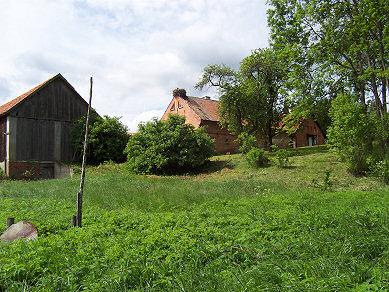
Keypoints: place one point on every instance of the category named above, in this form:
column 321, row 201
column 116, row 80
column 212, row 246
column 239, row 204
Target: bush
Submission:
column 380, row 170
column 107, row 140
column 246, row 142
column 257, row 157
column 282, row 156
column 350, row 132
column 166, row 147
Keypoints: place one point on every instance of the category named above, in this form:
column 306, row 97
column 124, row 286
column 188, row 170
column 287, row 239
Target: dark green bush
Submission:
column 257, row 157
column 166, row 147
column 108, row 138
column 246, row 142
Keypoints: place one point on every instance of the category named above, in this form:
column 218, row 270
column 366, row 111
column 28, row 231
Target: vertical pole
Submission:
column 10, row 221
column 80, row 193
column 74, row 221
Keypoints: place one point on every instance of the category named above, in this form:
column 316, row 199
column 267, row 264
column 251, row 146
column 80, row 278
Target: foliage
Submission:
column 107, row 139
column 349, row 132
column 327, row 182
column 282, row 157
column 223, row 231
column 336, row 48
column 257, row 157
column 380, row 170
column 250, row 98
column 168, row 147
column 246, row 142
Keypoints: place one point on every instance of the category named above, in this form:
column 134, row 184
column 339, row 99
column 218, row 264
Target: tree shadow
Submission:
column 302, row 151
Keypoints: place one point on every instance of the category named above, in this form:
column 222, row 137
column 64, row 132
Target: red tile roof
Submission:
column 5, row 108
column 207, row 109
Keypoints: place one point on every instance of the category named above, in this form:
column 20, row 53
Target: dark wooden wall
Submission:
column 3, row 130
column 44, row 118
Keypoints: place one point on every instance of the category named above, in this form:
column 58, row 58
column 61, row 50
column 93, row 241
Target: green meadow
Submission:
column 309, row 227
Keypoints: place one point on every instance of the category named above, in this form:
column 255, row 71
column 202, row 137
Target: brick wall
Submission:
column 30, row 170
column 179, row 106
column 308, row 128
column 224, row 141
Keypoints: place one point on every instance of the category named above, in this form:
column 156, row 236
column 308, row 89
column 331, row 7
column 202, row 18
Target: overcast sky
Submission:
column 137, row 51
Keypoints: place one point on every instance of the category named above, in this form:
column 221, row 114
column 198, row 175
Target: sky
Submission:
column 137, row 51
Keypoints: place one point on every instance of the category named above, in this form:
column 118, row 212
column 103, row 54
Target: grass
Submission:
column 231, row 228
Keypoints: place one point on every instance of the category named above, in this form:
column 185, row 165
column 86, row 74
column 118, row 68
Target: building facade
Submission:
column 202, row 112
column 36, row 127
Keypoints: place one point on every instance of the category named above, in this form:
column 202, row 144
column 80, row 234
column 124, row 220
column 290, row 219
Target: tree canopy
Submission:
column 250, row 99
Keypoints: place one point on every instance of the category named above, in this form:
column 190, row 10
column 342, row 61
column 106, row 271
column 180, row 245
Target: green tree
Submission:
column 349, row 130
column 250, row 98
column 336, row 48
column 107, row 140
column 166, row 147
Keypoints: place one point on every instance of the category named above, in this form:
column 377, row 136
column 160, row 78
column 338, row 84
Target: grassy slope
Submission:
column 230, row 229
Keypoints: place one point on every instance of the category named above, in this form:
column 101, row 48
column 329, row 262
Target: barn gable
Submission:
column 38, row 126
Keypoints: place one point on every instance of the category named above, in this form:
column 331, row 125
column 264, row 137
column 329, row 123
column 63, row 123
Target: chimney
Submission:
column 178, row 92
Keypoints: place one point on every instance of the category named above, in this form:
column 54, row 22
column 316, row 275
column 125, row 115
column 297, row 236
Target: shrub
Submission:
column 246, row 142
column 257, row 157
column 166, row 147
column 380, row 170
column 282, row 156
column 350, row 132
column 107, row 140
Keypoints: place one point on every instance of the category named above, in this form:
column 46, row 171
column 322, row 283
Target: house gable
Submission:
column 180, row 106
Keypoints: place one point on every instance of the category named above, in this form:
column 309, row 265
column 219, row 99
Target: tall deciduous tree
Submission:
column 335, row 47
column 250, row 97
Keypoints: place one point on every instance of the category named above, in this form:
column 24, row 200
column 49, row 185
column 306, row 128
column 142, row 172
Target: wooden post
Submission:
column 10, row 221
column 80, row 193
column 74, row 221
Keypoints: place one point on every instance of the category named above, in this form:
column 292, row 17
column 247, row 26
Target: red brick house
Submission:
column 307, row 133
column 202, row 112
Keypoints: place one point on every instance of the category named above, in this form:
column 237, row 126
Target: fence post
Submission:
column 10, row 221
column 74, row 221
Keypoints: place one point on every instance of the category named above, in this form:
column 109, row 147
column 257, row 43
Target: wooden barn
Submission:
column 202, row 112
column 36, row 126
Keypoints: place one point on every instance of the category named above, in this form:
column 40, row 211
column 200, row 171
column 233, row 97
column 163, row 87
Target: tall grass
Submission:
column 229, row 229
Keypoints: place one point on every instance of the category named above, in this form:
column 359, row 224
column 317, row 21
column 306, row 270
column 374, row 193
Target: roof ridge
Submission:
column 6, row 107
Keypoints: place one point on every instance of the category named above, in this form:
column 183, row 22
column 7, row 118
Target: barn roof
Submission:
column 5, row 108
column 205, row 108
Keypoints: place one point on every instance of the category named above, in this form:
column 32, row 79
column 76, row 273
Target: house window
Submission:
column 311, row 140
column 180, row 105
column 173, row 108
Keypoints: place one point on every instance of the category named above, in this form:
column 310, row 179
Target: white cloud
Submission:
column 136, row 50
